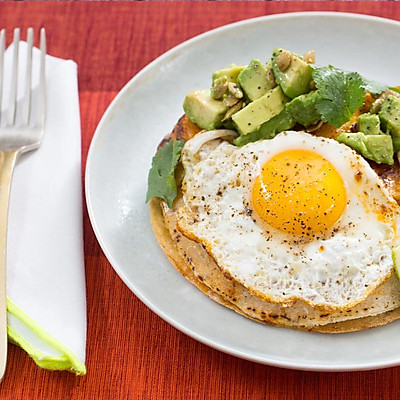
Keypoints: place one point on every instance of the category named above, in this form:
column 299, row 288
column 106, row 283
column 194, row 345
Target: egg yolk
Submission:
column 299, row 192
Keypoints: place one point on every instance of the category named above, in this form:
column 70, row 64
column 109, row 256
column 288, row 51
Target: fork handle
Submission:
column 7, row 162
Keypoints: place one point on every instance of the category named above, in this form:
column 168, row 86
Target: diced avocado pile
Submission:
column 259, row 101
column 257, row 93
column 369, row 140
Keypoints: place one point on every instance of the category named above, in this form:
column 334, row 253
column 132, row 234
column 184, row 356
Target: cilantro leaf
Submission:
column 374, row 87
column 161, row 180
column 340, row 94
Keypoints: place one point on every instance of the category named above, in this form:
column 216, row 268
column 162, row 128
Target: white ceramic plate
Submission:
column 148, row 107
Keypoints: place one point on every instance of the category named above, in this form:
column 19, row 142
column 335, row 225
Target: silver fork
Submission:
column 17, row 136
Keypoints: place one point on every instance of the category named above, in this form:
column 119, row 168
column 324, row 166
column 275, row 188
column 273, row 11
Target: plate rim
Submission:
column 97, row 231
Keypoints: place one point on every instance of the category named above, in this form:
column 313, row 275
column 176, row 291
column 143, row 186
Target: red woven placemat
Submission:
column 131, row 352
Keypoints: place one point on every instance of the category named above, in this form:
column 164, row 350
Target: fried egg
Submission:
column 297, row 217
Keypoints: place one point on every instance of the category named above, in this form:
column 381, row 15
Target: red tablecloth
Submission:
column 131, row 352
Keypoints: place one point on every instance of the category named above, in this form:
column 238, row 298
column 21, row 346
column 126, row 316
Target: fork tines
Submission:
column 26, row 107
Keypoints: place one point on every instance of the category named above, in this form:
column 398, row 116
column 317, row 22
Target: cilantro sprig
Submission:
column 341, row 93
column 161, row 179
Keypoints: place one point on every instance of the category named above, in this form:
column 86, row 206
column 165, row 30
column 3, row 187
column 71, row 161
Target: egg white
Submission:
column 279, row 267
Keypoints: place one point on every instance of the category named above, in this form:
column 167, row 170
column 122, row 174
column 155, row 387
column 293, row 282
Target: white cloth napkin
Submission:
column 45, row 266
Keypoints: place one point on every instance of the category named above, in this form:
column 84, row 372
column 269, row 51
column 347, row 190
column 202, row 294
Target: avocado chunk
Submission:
column 389, row 115
column 291, row 73
column 302, row 108
column 378, row 148
column 254, row 80
column 369, row 124
column 268, row 130
column 230, row 74
column 251, row 117
column 203, row 110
